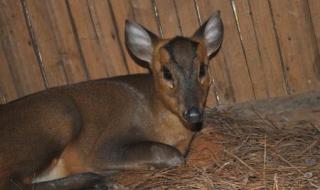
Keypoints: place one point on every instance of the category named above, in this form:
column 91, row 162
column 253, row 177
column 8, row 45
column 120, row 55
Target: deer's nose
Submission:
column 193, row 115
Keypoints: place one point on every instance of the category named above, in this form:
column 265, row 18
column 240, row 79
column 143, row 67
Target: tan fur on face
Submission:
column 205, row 81
column 165, row 88
column 161, row 57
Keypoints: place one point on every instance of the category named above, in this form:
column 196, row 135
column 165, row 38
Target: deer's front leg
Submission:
column 147, row 155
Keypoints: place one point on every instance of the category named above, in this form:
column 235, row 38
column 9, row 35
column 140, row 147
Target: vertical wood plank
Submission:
column 88, row 39
column 7, row 86
column 93, row 40
column 250, row 47
column 277, row 47
column 298, row 44
column 187, row 15
column 269, row 49
column 60, row 55
column 267, row 78
column 18, row 51
column 143, row 12
column 314, row 7
column 168, row 18
column 108, row 37
column 121, row 11
column 232, row 79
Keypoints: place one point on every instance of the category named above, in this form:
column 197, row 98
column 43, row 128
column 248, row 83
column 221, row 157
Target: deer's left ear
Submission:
column 211, row 32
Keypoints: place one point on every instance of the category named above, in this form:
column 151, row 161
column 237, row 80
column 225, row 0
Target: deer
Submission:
column 66, row 137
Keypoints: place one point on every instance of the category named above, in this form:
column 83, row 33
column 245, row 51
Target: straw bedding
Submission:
column 232, row 153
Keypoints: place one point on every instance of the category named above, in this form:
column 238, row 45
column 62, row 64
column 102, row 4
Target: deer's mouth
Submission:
column 194, row 127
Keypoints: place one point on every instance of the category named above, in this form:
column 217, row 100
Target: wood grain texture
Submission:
column 230, row 71
column 256, row 30
column 94, row 37
column 143, row 12
column 187, row 15
column 251, row 49
column 17, row 49
column 314, row 7
column 298, row 44
column 269, row 49
column 60, row 54
column 168, row 18
column 8, row 91
column 108, row 37
column 273, row 49
column 122, row 10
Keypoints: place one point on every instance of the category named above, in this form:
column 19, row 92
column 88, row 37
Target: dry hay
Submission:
column 230, row 154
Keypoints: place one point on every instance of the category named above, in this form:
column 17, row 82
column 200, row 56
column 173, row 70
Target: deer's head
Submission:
column 179, row 66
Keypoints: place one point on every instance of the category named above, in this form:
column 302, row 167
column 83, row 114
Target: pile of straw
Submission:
column 233, row 154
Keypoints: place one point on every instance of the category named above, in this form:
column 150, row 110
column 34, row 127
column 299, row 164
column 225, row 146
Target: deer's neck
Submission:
column 168, row 127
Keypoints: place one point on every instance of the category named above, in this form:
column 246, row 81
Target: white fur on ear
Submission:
column 140, row 41
column 211, row 32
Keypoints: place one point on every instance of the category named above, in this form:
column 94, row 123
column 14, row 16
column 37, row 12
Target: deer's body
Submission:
column 124, row 122
column 96, row 135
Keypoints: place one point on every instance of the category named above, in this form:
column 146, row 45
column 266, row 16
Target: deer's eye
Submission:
column 202, row 70
column 166, row 74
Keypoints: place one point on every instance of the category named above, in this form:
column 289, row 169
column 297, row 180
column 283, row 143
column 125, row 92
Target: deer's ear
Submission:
column 140, row 41
column 211, row 33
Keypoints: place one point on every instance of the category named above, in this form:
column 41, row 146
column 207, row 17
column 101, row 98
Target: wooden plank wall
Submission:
column 270, row 48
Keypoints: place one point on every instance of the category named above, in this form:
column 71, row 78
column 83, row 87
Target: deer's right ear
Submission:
column 140, row 41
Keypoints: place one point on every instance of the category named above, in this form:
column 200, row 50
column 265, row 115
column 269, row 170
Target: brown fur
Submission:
column 127, row 122
column 71, row 122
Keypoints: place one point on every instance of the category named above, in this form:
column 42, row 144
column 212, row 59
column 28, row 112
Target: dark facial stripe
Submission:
column 182, row 51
